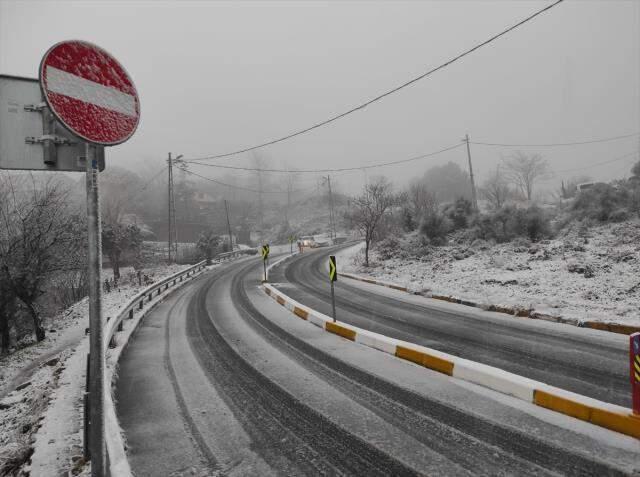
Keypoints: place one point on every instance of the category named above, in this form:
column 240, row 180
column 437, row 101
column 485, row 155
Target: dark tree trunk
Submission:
column 115, row 263
column 7, row 309
column 4, row 332
column 366, row 253
column 37, row 323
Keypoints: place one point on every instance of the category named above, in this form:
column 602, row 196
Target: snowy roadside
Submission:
column 47, row 379
column 580, row 278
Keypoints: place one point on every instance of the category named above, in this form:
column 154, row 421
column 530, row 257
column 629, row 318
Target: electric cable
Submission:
column 385, row 94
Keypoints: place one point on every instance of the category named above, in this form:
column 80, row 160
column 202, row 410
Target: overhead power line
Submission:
column 236, row 186
column 592, row 141
column 619, row 158
column 147, row 184
column 383, row 95
column 339, row 169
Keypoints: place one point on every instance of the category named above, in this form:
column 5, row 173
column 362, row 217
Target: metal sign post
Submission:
column 333, row 277
column 634, row 357
column 265, row 257
column 96, row 343
column 291, row 239
column 92, row 95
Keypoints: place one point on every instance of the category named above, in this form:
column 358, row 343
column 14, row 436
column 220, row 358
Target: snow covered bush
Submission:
column 602, row 202
column 435, row 226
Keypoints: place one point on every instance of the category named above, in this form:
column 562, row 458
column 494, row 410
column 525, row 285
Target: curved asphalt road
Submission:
column 587, row 362
column 220, row 380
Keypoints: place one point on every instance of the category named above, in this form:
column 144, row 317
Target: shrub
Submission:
column 435, row 226
column 536, row 224
column 459, row 213
column 600, row 202
column 509, row 222
column 388, row 248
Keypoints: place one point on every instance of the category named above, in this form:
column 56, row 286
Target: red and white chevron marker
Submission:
column 90, row 92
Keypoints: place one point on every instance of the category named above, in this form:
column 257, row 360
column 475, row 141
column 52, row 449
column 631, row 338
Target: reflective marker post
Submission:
column 265, row 256
column 97, row 448
column 634, row 357
column 333, row 277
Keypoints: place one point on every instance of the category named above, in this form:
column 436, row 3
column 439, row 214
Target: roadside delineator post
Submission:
column 634, row 365
column 265, row 257
column 333, row 277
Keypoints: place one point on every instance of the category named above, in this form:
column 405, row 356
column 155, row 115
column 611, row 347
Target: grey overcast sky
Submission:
column 218, row 76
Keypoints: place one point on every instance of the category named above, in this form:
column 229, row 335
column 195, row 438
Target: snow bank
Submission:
column 53, row 373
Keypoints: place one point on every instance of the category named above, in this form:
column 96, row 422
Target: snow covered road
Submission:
column 219, row 379
column 588, row 362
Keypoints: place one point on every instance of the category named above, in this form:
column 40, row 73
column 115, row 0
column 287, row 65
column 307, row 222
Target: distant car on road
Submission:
column 308, row 241
column 321, row 242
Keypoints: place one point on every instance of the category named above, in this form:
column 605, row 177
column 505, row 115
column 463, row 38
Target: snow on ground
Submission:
column 50, row 372
column 589, row 275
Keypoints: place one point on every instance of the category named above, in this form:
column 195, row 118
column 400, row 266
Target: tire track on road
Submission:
column 479, row 445
column 292, row 437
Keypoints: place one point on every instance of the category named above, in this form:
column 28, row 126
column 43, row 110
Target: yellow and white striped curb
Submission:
column 610, row 416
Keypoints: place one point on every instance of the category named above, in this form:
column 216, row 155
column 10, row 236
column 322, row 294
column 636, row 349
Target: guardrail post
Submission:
column 634, row 357
column 131, row 314
column 120, row 326
column 141, row 303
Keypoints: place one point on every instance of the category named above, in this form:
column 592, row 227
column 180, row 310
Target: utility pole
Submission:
column 226, row 208
column 169, row 207
column 289, row 186
column 331, row 215
column 474, row 197
column 172, row 236
column 261, row 207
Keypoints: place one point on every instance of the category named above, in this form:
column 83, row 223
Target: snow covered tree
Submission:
column 37, row 239
column 207, row 244
column 117, row 239
column 524, row 171
column 496, row 189
column 368, row 209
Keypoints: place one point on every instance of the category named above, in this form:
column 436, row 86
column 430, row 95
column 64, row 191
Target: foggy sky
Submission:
column 217, row 76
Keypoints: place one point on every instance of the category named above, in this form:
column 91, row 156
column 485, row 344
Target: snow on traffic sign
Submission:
column 90, row 92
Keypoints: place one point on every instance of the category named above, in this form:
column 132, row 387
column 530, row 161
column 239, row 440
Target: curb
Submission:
column 609, row 416
column 508, row 310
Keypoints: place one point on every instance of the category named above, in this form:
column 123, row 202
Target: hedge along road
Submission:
column 588, row 362
column 219, row 378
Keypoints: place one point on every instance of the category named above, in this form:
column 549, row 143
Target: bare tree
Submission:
column 37, row 239
column 496, row 189
column 421, row 199
column 118, row 186
column 369, row 208
column 525, row 170
column 118, row 239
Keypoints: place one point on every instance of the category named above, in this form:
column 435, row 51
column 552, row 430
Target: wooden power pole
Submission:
column 474, row 196
column 226, row 208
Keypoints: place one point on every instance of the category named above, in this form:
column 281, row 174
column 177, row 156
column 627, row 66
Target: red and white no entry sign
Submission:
column 90, row 92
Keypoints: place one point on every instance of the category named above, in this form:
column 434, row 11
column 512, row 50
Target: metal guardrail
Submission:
column 236, row 253
column 118, row 464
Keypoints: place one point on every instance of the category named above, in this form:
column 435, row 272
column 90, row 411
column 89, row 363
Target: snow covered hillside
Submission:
column 585, row 275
